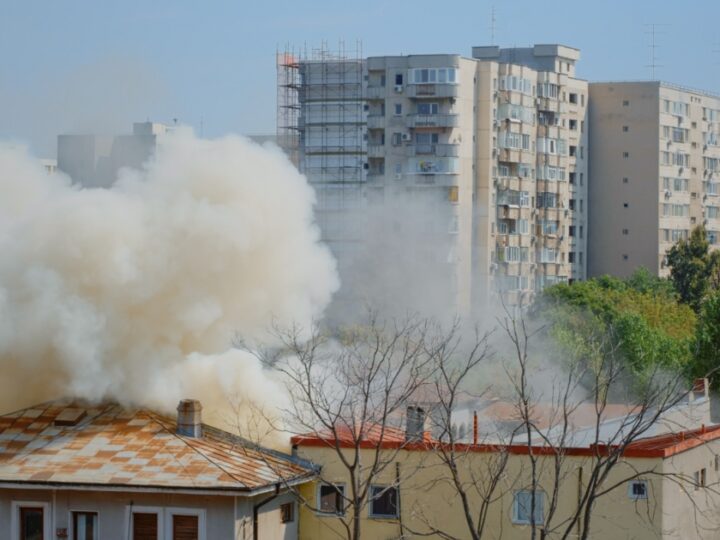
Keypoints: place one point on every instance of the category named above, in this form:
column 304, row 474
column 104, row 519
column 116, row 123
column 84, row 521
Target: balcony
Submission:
column 432, row 180
column 375, row 121
column 437, row 150
column 376, row 92
column 437, row 90
column 375, row 150
column 431, row 120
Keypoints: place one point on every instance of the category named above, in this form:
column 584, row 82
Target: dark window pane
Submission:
column 331, row 499
column 145, row 526
column 384, row 501
column 185, row 527
column 31, row 524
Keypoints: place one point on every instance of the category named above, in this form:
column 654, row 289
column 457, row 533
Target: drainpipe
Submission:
column 256, row 508
column 399, row 506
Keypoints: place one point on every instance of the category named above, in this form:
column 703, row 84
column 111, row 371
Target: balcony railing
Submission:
column 375, row 121
column 438, row 150
column 376, row 150
column 432, row 120
column 437, row 90
column 376, row 92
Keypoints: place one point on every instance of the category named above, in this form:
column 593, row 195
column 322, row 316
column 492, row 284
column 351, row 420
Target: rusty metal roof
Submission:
column 68, row 442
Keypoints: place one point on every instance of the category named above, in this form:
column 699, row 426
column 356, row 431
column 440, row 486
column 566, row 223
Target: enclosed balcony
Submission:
column 437, row 90
column 437, row 150
column 432, row 120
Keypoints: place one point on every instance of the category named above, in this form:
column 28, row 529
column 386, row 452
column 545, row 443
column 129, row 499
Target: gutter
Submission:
column 256, row 508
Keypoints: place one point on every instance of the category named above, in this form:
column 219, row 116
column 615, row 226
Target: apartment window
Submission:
column 625, row 231
column 382, row 80
column 573, row 98
column 144, row 526
column 32, row 522
column 637, row 490
column 573, row 150
column 427, row 108
column 398, row 109
column 572, row 177
column 573, row 124
column 185, row 527
column 571, row 257
column 287, row 512
column 580, row 258
column 626, row 155
column 625, row 180
column 626, row 205
column 581, row 205
column 625, row 257
column 85, row 525
column 330, row 498
column 582, row 152
column 581, row 231
column 581, row 179
column 383, row 502
column 626, row 103
column 571, row 230
column 398, row 79
column 572, row 204
column 523, row 504
column 582, row 99
column 626, row 129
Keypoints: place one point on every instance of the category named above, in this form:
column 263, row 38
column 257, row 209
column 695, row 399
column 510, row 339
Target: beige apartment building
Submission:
column 655, row 168
column 477, row 167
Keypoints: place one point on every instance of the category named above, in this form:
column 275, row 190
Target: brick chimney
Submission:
column 189, row 418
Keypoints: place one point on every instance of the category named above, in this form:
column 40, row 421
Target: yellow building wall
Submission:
column 428, row 499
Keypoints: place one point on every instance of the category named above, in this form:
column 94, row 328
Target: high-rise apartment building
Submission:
column 95, row 160
column 477, row 166
column 655, row 168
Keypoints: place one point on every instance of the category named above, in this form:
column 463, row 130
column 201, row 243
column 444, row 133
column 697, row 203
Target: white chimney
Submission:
column 189, row 418
column 415, row 428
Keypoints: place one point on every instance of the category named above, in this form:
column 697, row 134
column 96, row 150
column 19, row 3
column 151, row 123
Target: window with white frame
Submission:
column 548, row 255
column 712, row 212
column 330, row 499
column 516, row 254
column 427, row 108
column 523, row 507
column 432, row 75
column 513, row 198
column 383, row 502
column 638, row 489
column 85, row 526
column 546, row 199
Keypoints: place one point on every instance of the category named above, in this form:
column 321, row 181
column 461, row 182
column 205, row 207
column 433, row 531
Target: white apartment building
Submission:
column 655, row 168
column 478, row 164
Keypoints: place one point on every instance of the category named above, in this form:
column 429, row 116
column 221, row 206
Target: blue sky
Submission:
column 84, row 65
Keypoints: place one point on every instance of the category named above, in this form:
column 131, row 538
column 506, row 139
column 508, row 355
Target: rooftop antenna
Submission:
column 654, row 30
column 492, row 25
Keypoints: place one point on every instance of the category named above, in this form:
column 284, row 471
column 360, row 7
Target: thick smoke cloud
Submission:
column 136, row 293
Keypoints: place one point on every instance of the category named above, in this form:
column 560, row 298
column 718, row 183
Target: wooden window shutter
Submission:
column 185, row 527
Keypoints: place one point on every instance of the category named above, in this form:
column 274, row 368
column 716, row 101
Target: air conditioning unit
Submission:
column 406, row 137
column 398, row 88
column 668, row 193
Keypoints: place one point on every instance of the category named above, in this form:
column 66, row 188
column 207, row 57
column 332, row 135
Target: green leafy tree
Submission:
column 707, row 358
column 693, row 268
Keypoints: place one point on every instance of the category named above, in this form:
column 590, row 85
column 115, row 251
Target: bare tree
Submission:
column 349, row 391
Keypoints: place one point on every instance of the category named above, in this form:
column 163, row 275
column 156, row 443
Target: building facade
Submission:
column 655, row 168
column 95, row 160
column 473, row 169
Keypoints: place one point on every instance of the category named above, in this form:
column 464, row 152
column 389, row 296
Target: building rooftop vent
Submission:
column 69, row 417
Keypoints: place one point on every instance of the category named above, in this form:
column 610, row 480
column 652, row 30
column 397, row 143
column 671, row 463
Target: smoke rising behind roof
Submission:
column 135, row 293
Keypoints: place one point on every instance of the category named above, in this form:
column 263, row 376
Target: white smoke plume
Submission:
column 135, row 293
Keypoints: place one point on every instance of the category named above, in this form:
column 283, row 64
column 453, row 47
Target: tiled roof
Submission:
column 112, row 446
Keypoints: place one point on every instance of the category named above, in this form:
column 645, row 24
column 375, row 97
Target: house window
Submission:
column 573, row 98
column 638, row 489
column 85, row 525
column 185, row 527
column 144, row 526
column 32, row 523
column 287, row 512
column 330, row 498
column 383, row 502
column 700, row 478
column 522, row 507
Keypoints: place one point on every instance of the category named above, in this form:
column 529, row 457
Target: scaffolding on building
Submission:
column 321, row 125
